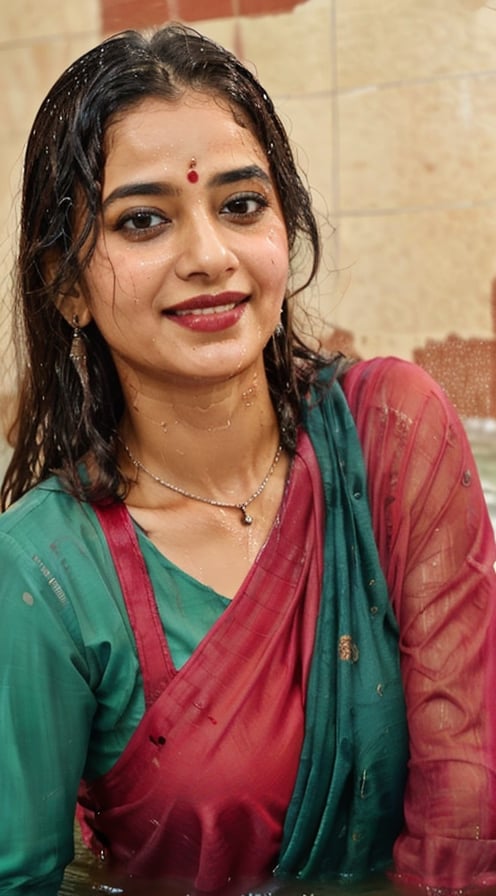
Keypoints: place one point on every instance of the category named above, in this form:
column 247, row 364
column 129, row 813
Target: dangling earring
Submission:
column 78, row 356
column 279, row 330
column 279, row 348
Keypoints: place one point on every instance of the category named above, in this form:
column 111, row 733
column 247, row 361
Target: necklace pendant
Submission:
column 247, row 519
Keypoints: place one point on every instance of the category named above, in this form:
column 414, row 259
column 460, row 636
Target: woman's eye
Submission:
column 245, row 206
column 141, row 221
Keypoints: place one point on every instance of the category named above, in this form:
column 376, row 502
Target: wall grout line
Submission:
column 413, row 82
column 416, row 209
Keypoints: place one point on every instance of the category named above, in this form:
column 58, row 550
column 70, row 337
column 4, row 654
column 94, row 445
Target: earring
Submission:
column 279, row 330
column 78, row 356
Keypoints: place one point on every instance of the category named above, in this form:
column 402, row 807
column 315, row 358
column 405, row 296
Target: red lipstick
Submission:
column 209, row 313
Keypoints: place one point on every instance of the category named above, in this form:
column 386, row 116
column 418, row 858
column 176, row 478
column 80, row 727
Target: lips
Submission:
column 209, row 313
column 211, row 309
column 207, row 304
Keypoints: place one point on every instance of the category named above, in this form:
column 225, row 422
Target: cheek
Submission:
column 99, row 278
column 277, row 255
column 112, row 282
column 138, row 276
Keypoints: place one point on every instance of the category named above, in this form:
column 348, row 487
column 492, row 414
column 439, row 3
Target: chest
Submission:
column 213, row 544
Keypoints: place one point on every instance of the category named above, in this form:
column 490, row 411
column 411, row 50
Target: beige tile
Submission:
column 10, row 183
column 11, row 155
column 321, row 301
column 26, row 19
column 7, row 356
column 309, row 126
column 415, row 277
column 288, row 52
column 291, row 52
column 308, row 122
column 28, row 72
column 380, row 41
column 418, row 144
column 224, row 31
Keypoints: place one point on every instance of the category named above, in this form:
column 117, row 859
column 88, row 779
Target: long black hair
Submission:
column 64, row 162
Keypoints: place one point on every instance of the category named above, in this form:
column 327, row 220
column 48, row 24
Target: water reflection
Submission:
column 88, row 876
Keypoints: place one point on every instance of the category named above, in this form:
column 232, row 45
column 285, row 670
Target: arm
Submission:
column 46, row 708
column 437, row 549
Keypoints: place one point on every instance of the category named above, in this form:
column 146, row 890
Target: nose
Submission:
column 204, row 249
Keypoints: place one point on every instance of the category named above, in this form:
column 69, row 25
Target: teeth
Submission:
column 211, row 310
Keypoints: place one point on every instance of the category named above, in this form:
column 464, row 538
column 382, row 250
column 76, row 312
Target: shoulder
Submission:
column 33, row 502
column 394, row 379
column 410, row 433
column 53, row 549
column 407, row 426
column 45, row 518
column 400, row 392
column 390, row 401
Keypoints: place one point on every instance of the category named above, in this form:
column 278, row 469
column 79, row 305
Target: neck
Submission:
column 208, row 439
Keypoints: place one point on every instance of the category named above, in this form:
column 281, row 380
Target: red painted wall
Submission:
column 120, row 14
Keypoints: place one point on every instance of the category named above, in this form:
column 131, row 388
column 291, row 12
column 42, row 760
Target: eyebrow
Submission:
column 249, row 172
column 139, row 189
column 154, row 188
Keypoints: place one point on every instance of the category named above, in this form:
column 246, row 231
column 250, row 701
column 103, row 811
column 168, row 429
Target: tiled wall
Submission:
column 392, row 108
column 117, row 14
column 415, row 199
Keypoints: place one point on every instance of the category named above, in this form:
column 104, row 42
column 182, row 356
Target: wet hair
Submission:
column 64, row 166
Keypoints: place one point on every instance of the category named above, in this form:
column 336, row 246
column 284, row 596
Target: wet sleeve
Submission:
column 46, row 707
column 437, row 548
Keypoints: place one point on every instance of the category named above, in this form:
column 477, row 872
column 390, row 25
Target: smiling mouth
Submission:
column 212, row 309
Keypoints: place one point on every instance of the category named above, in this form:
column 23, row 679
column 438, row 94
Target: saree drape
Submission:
column 346, row 809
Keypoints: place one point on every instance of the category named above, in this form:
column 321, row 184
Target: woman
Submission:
column 203, row 622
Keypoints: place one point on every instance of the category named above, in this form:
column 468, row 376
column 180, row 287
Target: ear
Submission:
column 70, row 304
column 74, row 306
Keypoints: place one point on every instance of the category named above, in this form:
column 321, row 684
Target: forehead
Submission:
column 196, row 125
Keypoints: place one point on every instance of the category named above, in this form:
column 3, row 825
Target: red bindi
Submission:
column 192, row 174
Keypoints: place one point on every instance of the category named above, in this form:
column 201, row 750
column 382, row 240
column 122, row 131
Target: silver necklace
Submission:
column 247, row 519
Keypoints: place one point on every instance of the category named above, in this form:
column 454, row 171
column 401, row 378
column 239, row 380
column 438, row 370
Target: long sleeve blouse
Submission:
column 437, row 550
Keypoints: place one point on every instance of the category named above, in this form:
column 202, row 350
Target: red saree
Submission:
column 202, row 788
column 437, row 551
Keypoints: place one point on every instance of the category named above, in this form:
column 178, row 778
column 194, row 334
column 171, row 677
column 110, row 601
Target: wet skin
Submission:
column 188, row 278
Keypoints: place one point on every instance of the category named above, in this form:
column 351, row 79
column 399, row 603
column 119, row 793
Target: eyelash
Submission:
column 244, row 198
column 143, row 214
column 227, row 210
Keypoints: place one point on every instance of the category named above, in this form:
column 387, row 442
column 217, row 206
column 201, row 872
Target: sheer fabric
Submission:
column 438, row 552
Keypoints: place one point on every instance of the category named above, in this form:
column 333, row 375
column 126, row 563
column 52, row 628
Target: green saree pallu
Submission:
column 346, row 808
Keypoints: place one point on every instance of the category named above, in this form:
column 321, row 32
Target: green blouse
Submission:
column 65, row 631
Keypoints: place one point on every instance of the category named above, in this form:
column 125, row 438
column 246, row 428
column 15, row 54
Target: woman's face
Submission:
column 191, row 264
